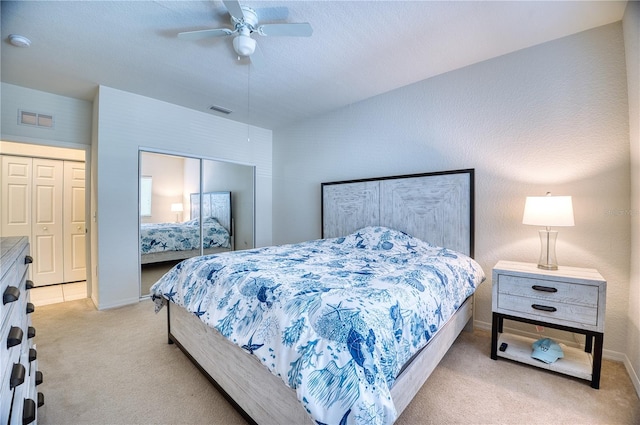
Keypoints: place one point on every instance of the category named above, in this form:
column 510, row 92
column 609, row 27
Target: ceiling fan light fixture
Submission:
column 244, row 45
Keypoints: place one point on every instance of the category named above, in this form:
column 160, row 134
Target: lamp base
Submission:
column 548, row 259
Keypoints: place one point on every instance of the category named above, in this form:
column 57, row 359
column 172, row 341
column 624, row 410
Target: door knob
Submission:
column 44, row 228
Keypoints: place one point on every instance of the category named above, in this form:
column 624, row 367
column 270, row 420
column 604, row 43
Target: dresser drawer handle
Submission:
column 543, row 307
column 15, row 337
column 33, row 354
column 544, row 288
column 17, row 375
column 30, row 308
column 29, row 284
column 28, row 259
column 40, row 399
column 31, row 332
column 28, row 411
column 38, row 377
column 11, row 294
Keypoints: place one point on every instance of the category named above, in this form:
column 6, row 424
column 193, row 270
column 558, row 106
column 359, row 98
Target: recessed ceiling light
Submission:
column 19, row 40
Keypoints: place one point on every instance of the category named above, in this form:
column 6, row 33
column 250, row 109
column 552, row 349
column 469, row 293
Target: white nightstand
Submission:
column 570, row 298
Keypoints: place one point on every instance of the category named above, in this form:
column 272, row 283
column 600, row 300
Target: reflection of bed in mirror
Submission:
column 161, row 242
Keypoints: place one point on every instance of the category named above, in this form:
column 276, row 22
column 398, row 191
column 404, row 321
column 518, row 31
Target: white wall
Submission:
column 552, row 117
column 631, row 26
column 126, row 123
column 167, row 186
column 72, row 117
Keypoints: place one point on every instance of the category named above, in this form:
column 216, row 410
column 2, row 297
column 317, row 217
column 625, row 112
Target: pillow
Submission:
column 379, row 238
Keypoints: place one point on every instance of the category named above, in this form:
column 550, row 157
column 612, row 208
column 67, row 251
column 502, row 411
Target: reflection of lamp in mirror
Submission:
column 177, row 208
column 548, row 211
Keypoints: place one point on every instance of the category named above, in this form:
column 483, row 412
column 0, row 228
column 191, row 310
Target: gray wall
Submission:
column 553, row 117
column 631, row 25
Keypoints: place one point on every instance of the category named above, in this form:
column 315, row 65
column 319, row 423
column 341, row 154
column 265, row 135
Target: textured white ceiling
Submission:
column 359, row 49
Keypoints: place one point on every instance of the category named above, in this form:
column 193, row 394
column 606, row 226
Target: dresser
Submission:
column 570, row 299
column 19, row 398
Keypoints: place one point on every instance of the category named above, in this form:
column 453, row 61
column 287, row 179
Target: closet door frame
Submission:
column 61, row 151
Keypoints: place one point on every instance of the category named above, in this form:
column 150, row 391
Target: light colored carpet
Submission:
column 115, row 367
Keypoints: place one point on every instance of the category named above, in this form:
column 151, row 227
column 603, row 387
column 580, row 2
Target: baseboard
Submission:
column 632, row 374
column 121, row 303
column 607, row 354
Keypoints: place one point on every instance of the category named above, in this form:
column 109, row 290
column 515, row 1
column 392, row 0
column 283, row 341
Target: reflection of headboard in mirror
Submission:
column 214, row 204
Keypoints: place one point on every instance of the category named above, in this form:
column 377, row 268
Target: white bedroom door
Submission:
column 47, row 237
column 16, row 196
column 75, row 250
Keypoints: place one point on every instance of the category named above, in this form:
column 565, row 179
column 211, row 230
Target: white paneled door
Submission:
column 75, row 252
column 47, row 238
column 16, row 196
column 44, row 199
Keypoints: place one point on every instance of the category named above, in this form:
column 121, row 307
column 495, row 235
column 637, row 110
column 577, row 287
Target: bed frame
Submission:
column 437, row 207
column 214, row 204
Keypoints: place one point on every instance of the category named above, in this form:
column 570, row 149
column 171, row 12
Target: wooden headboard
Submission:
column 214, row 204
column 435, row 207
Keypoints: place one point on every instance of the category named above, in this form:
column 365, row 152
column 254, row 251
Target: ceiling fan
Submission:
column 245, row 22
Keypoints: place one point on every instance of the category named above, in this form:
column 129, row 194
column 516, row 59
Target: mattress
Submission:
column 336, row 319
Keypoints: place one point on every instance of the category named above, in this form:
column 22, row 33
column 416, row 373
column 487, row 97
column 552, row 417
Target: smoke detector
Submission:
column 19, row 40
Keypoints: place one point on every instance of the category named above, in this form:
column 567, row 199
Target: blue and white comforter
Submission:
column 336, row 319
column 160, row 237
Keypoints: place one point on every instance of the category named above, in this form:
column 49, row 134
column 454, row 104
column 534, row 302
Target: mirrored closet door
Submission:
column 189, row 207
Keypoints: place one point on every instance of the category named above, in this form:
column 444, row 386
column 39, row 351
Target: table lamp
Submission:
column 177, row 208
column 548, row 211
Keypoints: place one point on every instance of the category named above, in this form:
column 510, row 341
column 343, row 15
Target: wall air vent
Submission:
column 35, row 119
column 220, row 109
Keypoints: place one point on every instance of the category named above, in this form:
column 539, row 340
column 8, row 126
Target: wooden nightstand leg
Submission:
column 597, row 361
column 496, row 323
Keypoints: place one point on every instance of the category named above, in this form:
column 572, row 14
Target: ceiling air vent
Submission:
column 220, row 109
column 35, row 119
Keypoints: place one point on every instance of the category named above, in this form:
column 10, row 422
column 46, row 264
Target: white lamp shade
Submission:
column 177, row 207
column 548, row 211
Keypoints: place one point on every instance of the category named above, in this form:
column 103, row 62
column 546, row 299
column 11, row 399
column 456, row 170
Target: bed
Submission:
column 368, row 317
column 161, row 242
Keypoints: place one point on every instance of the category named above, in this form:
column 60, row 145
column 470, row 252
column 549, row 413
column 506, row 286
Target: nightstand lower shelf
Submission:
column 578, row 363
column 574, row 363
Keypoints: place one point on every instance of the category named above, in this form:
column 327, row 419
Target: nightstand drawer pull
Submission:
column 543, row 307
column 544, row 288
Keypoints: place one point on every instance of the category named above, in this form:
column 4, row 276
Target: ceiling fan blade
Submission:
column 234, row 8
column 293, row 30
column 199, row 35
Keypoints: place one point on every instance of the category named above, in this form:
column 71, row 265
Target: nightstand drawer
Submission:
column 547, row 310
column 548, row 290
